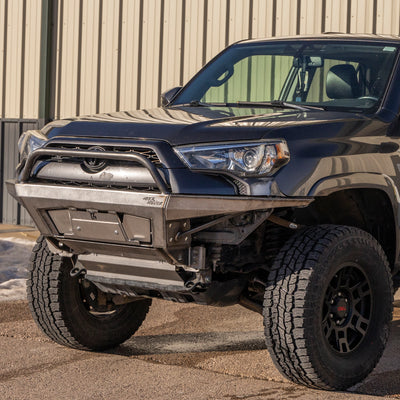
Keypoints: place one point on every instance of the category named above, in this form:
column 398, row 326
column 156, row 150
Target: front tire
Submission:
column 328, row 306
column 62, row 310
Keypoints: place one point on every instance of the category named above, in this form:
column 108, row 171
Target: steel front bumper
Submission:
column 129, row 226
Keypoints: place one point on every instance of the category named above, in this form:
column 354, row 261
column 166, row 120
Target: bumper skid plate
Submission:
column 122, row 235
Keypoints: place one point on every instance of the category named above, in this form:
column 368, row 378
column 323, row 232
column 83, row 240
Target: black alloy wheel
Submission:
column 346, row 313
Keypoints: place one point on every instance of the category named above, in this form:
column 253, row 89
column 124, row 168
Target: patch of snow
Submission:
column 14, row 259
column 14, row 289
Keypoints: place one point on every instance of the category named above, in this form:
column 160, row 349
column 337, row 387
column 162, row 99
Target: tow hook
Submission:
column 77, row 271
column 195, row 286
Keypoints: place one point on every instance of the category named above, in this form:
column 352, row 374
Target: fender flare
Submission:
column 364, row 180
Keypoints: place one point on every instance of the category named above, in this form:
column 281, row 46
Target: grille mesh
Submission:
column 150, row 154
column 98, row 185
column 241, row 187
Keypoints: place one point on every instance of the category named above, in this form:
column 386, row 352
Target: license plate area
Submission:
column 96, row 226
column 102, row 226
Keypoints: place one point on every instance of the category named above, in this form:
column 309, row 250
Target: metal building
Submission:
column 61, row 58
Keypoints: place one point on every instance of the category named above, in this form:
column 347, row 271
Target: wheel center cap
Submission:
column 341, row 308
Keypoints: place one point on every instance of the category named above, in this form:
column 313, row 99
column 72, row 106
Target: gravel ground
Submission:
column 182, row 351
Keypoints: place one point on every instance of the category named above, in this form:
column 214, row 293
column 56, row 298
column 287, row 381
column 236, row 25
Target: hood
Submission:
column 191, row 125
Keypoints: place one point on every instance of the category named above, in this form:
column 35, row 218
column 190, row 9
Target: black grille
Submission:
column 242, row 187
column 150, row 154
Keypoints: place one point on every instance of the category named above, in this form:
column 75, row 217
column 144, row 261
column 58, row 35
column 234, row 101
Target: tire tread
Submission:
column 45, row 293
column 285, row 301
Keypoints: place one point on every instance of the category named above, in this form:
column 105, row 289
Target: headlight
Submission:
column 244, row 159
column 30, row 141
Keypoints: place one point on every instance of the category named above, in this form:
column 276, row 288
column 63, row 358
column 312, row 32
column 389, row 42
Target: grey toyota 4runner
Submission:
column 270, row 180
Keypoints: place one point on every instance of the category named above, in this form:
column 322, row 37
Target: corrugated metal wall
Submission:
column 20, row 23
column 10, row 130
column 119, row 55
column 108, row 55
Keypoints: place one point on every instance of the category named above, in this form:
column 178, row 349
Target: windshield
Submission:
column 326, row 74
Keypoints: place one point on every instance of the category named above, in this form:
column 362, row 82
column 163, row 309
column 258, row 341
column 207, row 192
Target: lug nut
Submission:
column 337, row 322
column 330, row 315
column 332, row 301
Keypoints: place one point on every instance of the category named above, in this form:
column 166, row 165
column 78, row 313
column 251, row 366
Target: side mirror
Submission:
column 168, row 95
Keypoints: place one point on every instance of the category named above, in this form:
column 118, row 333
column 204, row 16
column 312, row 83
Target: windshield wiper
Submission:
column 274, row 104
column 197, row 103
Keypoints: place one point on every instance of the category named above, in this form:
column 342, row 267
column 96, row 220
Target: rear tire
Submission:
column 59, row 307
column 328, row 307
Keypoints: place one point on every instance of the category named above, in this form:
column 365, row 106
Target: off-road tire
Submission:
column 297, row 298
column 56, row 304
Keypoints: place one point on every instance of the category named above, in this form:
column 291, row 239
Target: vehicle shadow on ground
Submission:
column 191, row 343
column 384, row 381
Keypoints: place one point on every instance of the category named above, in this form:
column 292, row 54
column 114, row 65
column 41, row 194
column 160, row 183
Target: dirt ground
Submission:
column 181, row 352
